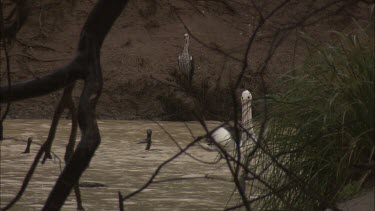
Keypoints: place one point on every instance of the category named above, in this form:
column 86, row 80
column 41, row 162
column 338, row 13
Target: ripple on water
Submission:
column 119, row 163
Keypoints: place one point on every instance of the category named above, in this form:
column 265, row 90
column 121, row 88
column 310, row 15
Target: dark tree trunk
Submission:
column 97, row 26
column 86, row 66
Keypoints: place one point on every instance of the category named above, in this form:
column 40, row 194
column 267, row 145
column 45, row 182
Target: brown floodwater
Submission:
column 121, row 164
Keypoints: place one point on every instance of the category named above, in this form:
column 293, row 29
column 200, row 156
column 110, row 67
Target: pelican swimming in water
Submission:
column 224, row 138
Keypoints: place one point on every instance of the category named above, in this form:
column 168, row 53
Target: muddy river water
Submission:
column 121, row 164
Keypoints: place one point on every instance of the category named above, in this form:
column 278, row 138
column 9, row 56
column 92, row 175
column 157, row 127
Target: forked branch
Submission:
column 86, row 66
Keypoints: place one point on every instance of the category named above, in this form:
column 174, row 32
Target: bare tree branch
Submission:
column 150, row 181
column 94, row 31
column 86, row 65
column 9, row 84
column 21, row 12
column 66, row 97
column 27, row 178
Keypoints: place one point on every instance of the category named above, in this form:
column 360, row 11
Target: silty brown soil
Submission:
column 143, row 46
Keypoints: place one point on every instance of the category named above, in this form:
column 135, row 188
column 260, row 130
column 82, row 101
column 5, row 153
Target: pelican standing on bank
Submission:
column 185, row 61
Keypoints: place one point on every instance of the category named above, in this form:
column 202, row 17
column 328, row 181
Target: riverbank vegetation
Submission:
column 321, row 129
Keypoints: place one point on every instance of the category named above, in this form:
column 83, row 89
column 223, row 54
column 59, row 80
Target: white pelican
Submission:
column 223, row 137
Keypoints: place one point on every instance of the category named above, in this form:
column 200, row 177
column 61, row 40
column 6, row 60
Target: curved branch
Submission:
column 97, row 26
column 66, row 97
column 21, row 11
column 86, row 65
column 94, row 31
column 70, row 146
column 46, row 84
column 26, row 179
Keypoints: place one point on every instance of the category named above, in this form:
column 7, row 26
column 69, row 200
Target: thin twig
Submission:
column 9, row 84
column 180, row 148
column 156, row 172
column 205, row 177
column 27, row 178
column 37, row 59
column 164, row 82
